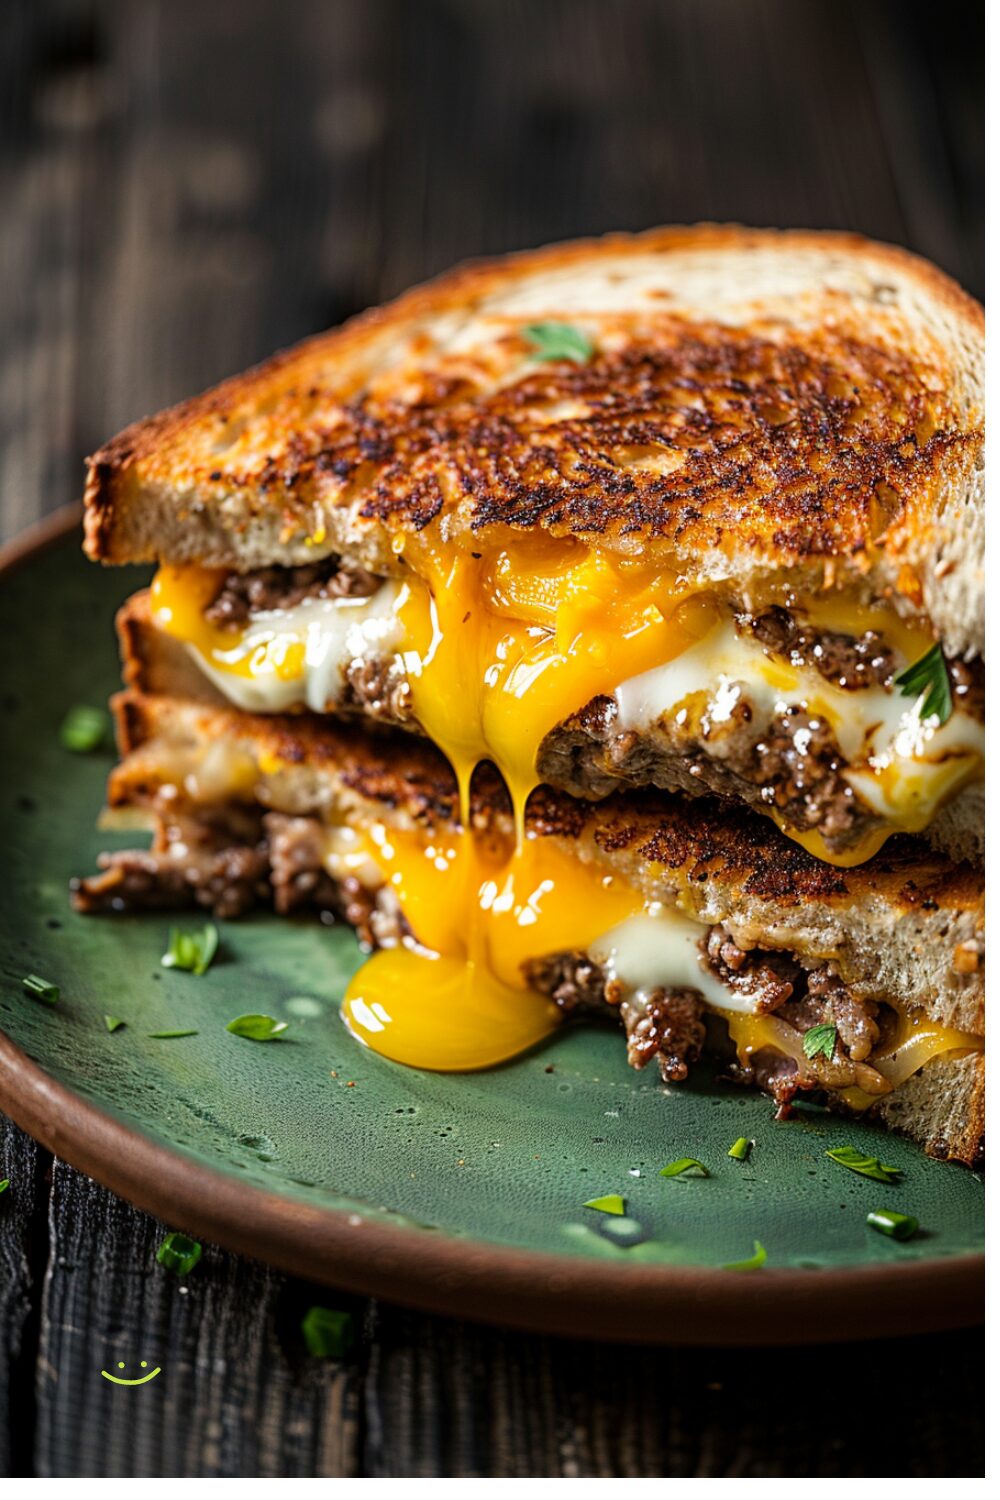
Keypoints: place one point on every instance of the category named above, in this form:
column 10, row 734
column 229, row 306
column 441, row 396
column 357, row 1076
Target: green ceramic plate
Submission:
column 459, row 1193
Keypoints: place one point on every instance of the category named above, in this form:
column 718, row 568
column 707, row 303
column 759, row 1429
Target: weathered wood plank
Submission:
column 446, row 1398
column 238, row 1395
column 23, row 1252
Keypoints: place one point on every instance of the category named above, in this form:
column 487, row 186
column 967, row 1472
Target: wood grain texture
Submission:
column 238, row 1395
column 183, row 194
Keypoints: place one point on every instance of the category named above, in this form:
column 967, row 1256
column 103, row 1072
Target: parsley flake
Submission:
column 820, row 1039
column 42, row 989
column 684, row 1164
column 928, row 680
column 113, row 1023
column 84, row 729
column 257, row 1028
column 193, row 951
column 327, row 1332
column 611, row 1203
column 754, row 1263
column 896, row 1226
column 179, row 1254
column 740, row 1149
column 558, row 341
column 865, row 1166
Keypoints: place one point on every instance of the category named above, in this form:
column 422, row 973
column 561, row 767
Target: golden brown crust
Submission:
column 814, row 433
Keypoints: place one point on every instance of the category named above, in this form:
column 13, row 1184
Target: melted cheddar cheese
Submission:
column 498, row 647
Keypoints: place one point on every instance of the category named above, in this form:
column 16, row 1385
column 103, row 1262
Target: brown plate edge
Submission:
column 461, row 1278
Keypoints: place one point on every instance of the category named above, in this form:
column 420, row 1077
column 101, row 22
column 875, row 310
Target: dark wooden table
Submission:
column 187, row 184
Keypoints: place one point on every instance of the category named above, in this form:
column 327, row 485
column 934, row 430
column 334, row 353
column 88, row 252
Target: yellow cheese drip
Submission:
column 498, row 649
column 480, row 909
column 503, row 646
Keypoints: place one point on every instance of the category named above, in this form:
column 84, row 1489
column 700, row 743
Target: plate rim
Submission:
column 475, row 1279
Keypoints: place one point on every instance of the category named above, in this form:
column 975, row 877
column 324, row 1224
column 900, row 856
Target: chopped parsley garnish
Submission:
column 740, row 1149
column 179, row 1254
column 257, row 1028
column 558, row 341
column 611, row 1203
column 866, row 1166
column 193, row 951
column 327, row 1332
column 683, row 1164
column 113, row 1022
column 166, row 1036
column 85, row 728
column 928, row 679
column 754, row 1263
column 42, row 989
column 896, row 1226
column 820, row 1039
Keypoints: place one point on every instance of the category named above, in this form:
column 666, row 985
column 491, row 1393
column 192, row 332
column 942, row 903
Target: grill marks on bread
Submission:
column 807, row 444
column 680, row 434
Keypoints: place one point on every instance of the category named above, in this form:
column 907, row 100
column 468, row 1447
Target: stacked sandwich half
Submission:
column 599, row 632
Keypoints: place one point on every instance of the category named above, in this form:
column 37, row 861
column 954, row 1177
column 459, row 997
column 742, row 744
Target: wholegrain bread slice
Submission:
column 749, row 403
column 906, row 927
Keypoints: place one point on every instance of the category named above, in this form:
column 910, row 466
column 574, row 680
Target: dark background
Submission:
column 187, row 184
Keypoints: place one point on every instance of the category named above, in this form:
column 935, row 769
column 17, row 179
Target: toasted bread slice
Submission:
column 744, row 402
column 903, row 930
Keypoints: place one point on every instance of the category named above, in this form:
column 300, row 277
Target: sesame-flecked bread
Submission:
column 747, row 402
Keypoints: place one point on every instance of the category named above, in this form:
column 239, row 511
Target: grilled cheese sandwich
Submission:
column 698, row 511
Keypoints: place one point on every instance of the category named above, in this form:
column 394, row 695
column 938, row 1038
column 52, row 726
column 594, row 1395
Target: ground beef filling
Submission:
column 239, row 860
column 721, row 743
column 245, row 857
column 851, row 662
column 782, row 986
column 378, row 687
column 668, row 1025
column 246, row 594
column 659, row 1023
column 791, row 764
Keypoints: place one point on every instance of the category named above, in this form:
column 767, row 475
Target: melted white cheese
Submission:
column 878, row 732
column 334, row 633
column 659, row 950
column 900, row 764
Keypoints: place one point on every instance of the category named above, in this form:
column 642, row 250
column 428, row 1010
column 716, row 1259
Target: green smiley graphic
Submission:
column 143, row 1379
